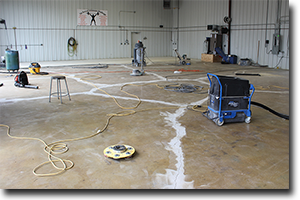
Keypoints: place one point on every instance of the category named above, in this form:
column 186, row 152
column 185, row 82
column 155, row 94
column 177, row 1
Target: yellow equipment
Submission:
column 34, row 68
column 119, row 151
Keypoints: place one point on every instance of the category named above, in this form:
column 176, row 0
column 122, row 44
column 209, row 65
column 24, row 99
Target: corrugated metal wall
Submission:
column 53, row 22
column 248, row 28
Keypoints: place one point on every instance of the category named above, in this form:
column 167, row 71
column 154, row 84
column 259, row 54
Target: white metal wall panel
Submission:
column 248, row 28
column 52, row 22
column 194, row 16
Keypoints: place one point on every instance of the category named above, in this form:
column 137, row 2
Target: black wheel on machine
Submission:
column 183, row 62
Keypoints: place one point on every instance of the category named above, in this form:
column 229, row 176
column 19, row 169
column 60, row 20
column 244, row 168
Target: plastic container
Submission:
column 12, row 60
column 244, row 62
column 34, row 68
column 232, row 59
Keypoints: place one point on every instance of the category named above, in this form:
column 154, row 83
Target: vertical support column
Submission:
column 229, row 27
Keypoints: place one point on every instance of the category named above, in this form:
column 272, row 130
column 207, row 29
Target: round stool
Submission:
column 59, row 93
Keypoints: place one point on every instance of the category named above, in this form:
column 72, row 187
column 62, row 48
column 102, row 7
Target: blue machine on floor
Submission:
column 229, row 99
column 229, row 59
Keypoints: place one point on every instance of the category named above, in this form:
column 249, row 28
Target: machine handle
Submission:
column 220, row 100
column 209, row 74
column 253, row 89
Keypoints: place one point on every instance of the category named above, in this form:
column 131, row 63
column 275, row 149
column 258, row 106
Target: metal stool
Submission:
column 58, row 92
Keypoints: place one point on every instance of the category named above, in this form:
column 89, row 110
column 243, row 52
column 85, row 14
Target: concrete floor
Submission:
column 175, row 147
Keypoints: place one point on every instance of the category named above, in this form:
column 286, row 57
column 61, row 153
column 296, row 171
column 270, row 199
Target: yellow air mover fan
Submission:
column 119, row 151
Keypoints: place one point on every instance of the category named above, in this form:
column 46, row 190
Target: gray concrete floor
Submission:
column 175, row 147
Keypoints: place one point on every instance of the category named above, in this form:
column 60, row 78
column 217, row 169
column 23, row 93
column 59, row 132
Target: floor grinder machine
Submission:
column 182, row 60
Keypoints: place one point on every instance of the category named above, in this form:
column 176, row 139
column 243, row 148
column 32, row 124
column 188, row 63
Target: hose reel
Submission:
column 72, row 46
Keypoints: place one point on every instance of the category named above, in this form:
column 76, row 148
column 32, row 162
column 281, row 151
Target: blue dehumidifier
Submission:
column 229, row 99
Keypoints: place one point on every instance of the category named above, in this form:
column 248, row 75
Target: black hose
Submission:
column 71, row 41
column 270, row 110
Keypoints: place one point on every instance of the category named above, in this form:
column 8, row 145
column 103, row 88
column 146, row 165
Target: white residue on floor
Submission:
column 175, row 179
column 172, row 179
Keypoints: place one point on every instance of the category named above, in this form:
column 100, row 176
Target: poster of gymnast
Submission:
column 91, row 17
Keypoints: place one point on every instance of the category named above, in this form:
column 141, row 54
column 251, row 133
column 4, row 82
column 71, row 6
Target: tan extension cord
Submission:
column 60, row 147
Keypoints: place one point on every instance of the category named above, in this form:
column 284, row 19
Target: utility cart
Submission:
column 229, row 99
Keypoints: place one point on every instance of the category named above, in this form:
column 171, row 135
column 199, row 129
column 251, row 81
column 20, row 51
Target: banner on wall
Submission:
column 91, row 17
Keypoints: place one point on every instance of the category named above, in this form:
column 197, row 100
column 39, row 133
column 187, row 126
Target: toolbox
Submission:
column 229, row 99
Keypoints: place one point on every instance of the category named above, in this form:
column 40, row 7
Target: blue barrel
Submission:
column 12, row 60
